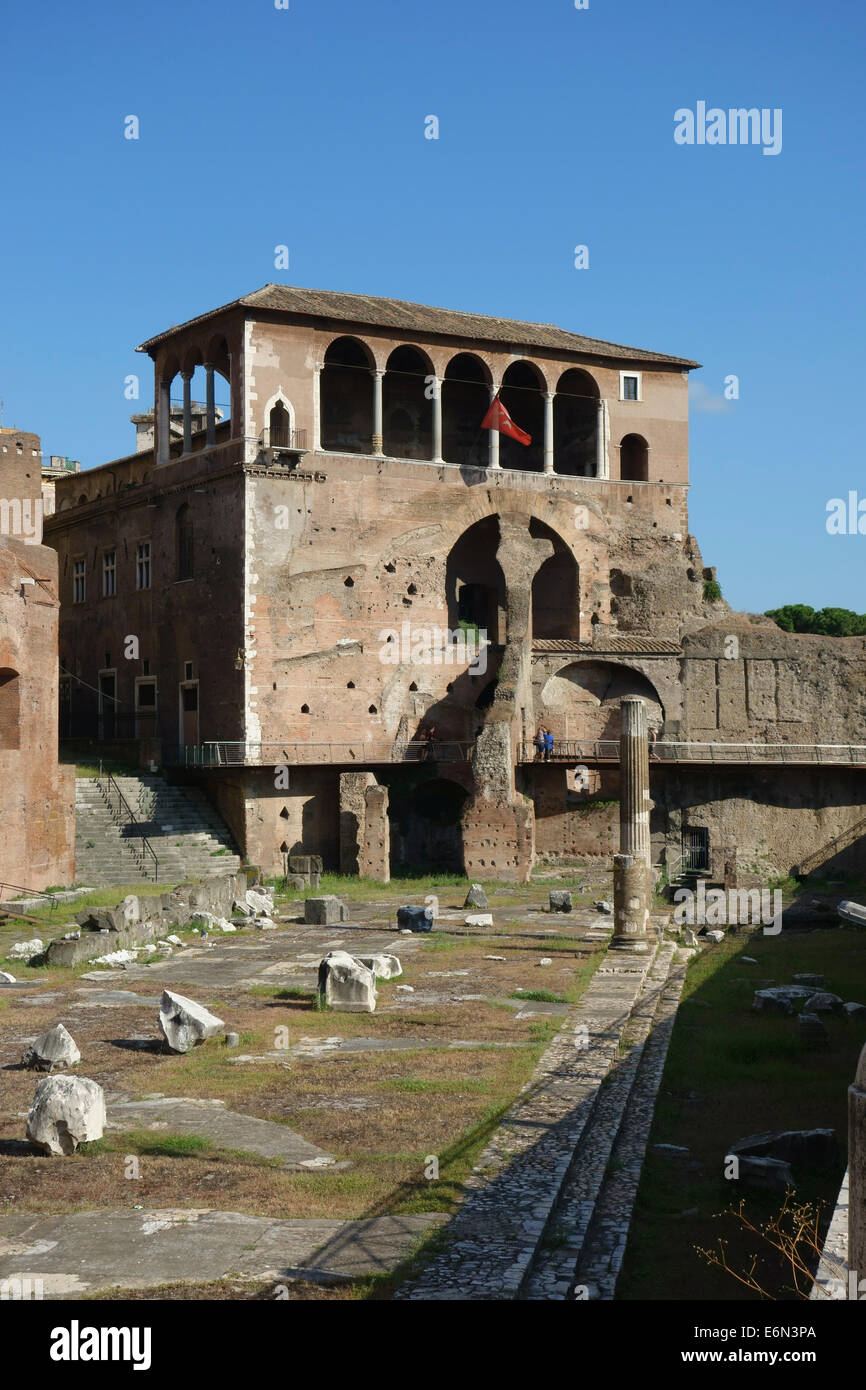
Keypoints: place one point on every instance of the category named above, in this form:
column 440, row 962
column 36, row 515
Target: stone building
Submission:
column 37, row 834
column 281, row 603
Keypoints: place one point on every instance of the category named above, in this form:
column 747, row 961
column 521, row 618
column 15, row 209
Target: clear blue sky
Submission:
column 306, row 127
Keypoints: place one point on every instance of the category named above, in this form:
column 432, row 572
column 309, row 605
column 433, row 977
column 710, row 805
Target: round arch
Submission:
column 407, row 404
column 465, row 401
column 346, row 397
column 634, row 459
column 522, row 393
column 581, row 701
column 575, row 424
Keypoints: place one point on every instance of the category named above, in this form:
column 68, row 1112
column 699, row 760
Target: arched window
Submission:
column 575, row 424
column 10, row 733
column 634, row 459
column 346, row 398
column 279, row 427
column 184, row 542
column 522, row 396
column 407, row 406
column 465, row 402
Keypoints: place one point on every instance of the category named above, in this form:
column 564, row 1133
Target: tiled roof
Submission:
column 411, row 318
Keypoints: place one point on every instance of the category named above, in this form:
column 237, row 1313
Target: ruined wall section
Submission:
column 37, row 810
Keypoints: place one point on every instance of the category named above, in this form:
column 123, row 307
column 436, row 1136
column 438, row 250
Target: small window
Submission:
column 146, row 694
column 187, row 671
column 109, row 574
column 78, row 581
column 145, row 667
column 142, row 565
column 629, row 386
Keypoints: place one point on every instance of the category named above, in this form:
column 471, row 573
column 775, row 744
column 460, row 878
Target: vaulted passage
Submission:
column 426, row 828
column 634, row 459
column 582, row 701
column 555, row 590
column 346, row 395
column 474, row 582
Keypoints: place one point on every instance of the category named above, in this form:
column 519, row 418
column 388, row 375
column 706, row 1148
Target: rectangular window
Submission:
column 187, row 670
column 629, row 386
column 109, row 574
column 146, row 694
column 142, row 565
column 78, row 581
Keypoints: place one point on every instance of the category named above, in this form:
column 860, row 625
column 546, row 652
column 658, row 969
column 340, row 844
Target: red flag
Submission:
column 497, row 418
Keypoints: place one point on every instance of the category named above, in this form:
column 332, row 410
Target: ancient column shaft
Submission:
column 630, row 903
column 634, row 831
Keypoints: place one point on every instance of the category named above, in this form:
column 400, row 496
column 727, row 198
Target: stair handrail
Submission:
column 27, row 893
column 818, row 856
column 124, row 815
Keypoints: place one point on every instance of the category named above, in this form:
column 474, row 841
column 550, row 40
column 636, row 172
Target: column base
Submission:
column 639, row 946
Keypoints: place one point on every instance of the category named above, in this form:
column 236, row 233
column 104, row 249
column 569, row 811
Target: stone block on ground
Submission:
column 383, row 966
column 52, row 1051
column 415, row 918
column 346, row 985
column 824, row 1003
column 716, row 935
column 66, row 1111
column 605, row 908
column 854, row 1010
column 478, row 919
column 801, row 1148
column 780, row 999
column 184, row 1023
column 6, row 978
column 327, row 911
column 768, row 1173
column 560, row 900
column 476, row 897
column 810, row 1029
column 26, row 950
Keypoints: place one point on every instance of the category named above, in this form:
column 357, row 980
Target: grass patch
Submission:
column 540, row 996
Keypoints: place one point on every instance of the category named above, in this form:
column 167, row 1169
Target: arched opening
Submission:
column 465, row 402
column 474, row 582
column 575, row 424
column 582, row 701
column 555, row 590
column 522, row 394
column 279, row 426
column 10, row 698
column 346, row 398
column 407, row 405
column 426, row 825
column 183, row 533
column 634, row 459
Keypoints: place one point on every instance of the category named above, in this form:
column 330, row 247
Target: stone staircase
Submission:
column 548, row 1206
column 187, row 835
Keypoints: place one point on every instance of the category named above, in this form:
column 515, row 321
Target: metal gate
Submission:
column 696, row 849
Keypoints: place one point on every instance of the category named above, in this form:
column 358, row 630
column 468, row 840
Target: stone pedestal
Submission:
column 857, row 1171
column 630, row 903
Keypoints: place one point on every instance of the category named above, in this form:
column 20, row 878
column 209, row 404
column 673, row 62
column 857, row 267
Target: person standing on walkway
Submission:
column 540, row 743
column 548, row 745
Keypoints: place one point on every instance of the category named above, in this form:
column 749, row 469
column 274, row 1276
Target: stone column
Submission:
column 630, row 903
column 187, row 412
column 857, row 1172
column 437, row 420
column 631, row 867
column 163, row 422
column 634, row 837
column 211, row 407
column 378, row 436
column 493, row 441
column 602, row 465
column 317, row 408
column 548, row 432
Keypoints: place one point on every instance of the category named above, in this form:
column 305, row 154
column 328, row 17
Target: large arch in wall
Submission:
column 555, row 589
column 346, row 397
column 581, row 701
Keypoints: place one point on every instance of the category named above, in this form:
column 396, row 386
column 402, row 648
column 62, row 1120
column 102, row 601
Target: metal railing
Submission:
column 240, row 754
column 281, row 437
column 834, row 846
column 8, row 909
column 123, row 816
column 664, row 751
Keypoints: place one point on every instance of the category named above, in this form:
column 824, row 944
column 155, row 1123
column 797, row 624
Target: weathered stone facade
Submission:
column 312, row 558
column 37, row 835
